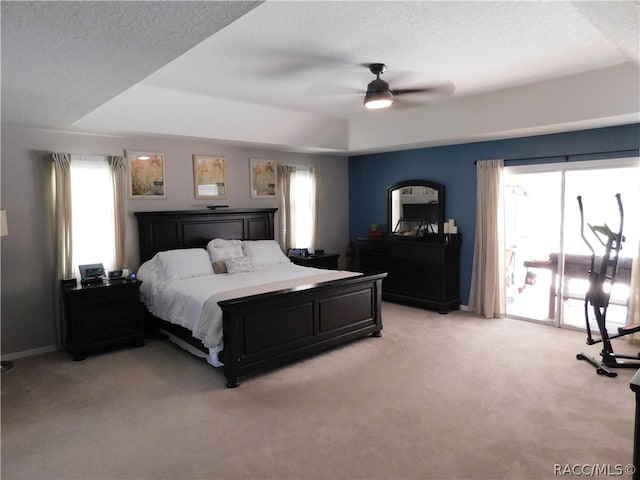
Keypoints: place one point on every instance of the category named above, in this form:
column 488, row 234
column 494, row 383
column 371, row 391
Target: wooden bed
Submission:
column 266, row 330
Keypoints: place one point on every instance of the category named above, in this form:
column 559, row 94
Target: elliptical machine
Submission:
column 601, row 281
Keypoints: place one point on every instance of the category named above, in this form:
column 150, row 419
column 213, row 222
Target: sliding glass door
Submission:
column 532, row 236
column 547, row 261
column 598, row 189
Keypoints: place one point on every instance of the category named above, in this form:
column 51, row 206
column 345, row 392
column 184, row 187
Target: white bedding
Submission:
column 193, row 302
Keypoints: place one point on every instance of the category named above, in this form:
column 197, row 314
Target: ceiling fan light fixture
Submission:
column 378, row 94
column 378, row 99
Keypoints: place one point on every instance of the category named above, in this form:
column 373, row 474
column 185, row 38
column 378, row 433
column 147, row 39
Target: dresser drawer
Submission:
column 428, row 254
column 397, row 250
column 420, row 273
column 370, row 247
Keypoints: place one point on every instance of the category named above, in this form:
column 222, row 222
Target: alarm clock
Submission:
column 115, row 274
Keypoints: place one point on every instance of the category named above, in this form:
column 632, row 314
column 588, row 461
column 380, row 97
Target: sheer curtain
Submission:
column 287, row 206
column 118, row 168
column 298, row 207
column 487, row 296
column 62, row 232
column 61, row 181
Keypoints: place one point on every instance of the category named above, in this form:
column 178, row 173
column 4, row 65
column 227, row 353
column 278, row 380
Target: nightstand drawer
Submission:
column 102, row 316
column 108, row 296
column 116, row 323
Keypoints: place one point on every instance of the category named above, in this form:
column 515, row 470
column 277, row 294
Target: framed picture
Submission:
column 407, row 191
column 263, row 175
column 146, row 175
column 209, row 176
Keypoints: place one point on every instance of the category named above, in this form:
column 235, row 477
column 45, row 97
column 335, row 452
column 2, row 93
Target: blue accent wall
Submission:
column 453, row 166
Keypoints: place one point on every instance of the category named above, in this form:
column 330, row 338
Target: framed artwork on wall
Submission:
column 209, row 176
column 263, row 175
column 146, row 174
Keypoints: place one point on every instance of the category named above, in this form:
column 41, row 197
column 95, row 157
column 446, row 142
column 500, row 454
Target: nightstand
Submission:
column 102, row 316
column 327, row 261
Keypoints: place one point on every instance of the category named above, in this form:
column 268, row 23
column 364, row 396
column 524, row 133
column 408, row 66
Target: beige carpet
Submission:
column 437, row 396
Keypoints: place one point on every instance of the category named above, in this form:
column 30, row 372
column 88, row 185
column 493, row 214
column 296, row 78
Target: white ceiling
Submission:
column 291, row 75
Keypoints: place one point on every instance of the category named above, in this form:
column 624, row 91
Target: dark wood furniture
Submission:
column 267, row 330
column 635, row 386
column 327, row 261
column 102, row 316
column 421, row 273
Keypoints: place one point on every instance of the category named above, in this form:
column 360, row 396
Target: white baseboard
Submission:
column 29, row 353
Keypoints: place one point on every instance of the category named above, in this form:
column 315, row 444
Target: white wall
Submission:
column 28, row 284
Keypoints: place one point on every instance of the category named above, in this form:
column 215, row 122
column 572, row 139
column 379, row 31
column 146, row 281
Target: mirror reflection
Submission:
column 416, row 208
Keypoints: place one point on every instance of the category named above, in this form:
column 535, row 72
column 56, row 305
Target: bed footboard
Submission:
column 269, row 330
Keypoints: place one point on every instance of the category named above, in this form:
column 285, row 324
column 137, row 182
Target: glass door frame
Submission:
column 562, row 168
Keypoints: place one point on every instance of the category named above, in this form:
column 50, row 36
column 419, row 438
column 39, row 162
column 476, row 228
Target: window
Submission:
column 298, row 204
column 92, row 212
column 303, row 212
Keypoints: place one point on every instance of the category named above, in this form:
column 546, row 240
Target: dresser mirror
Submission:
column 415, row 209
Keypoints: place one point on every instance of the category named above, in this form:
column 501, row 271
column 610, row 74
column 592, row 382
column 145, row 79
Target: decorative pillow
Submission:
column 183, row 263
column 223, row 253
column 219, row 267
column 239, row 265
column 264, row 252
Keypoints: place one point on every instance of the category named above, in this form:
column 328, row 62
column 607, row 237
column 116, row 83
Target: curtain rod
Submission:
column 566, row 155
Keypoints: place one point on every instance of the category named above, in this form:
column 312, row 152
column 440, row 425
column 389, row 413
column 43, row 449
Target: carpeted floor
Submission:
column 437, row 396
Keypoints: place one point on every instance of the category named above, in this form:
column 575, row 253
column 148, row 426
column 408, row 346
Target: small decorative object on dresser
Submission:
column 102, row 316
column 376, row 231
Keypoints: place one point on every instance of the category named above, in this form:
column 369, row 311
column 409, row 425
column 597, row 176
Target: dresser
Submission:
column 421, row 273
column 102, row 316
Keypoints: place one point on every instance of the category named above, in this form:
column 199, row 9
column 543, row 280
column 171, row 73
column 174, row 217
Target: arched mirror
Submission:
column 415, row 209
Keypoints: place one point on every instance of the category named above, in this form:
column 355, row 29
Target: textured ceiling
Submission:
column 310, row 56
column 195, row 68
column 60, row 60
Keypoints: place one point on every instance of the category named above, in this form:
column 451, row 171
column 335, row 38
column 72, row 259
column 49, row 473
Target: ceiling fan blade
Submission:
column 320, row 89
column 411, row 90
column 275, row 62
column 443, row 90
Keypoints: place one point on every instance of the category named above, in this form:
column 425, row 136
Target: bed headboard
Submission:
column 159, row 231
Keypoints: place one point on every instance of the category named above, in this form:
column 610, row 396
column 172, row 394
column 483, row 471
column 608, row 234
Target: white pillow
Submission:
column 221, row 242
column 223, row 253
column 183, row 263
column 264, row 253
column 239, row 265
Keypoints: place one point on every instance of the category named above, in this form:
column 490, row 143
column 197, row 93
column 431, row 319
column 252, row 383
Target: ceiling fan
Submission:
column 379, row 95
